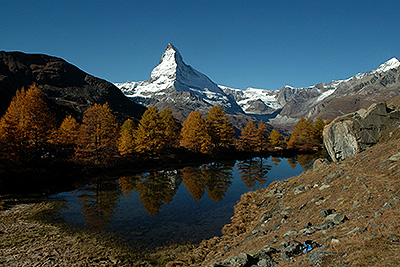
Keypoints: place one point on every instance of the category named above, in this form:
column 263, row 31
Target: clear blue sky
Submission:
column 263, row 44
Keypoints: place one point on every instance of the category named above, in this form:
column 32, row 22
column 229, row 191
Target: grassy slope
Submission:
column 365, row 188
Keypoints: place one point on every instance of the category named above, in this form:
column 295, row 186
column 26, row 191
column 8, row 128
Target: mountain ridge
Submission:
column 173, row 81
column 182, row 89
column 68, row 89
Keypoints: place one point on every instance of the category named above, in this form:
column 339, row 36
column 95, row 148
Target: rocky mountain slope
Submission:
column 336, row 214
column 328, row 100
column 259, row 103
column 346, row 96
column 68, row 89
column 178, row 86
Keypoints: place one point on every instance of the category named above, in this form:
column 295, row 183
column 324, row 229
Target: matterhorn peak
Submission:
column 171, row 46
column 172, row 50
column 169, row 62
column 174, row 82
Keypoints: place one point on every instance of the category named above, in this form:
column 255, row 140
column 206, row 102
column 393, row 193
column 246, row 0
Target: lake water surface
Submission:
column 173, row 205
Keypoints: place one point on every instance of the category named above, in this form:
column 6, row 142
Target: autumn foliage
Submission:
column 68, row 131
column 98, row 134
column 307, row 135
column 219, row 128
column 156, row 131
column 248, row 138
column 28, row 131
column 194, row 135
column 26, row 126
column 126, row 141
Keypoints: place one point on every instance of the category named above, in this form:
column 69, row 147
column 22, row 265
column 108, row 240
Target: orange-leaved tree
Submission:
column 219, row 128
column 248, row 140
column 318, row 128
column 98, row 134
column 262, row 136
column 68, row 131
column 194, row 136
column 302, row 136
column 170, row 129
column 275, row 138
column 126, row 140
column 156, row 131
column 307, row 135
column 27, row 125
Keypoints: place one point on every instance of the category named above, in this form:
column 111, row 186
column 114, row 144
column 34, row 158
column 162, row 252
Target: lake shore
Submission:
column 26, row 240
column 31, row 234
column 50, row 177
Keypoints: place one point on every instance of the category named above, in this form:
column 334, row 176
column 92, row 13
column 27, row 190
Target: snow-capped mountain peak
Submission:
column 174, row 82
column 392, row 63
column 177, row 85
column 168, row 63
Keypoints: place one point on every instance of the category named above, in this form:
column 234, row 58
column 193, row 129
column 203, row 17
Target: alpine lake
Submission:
column 174, row 205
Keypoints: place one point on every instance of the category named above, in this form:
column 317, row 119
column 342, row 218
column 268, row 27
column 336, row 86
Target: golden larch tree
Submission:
column 149, row 135
column 275, row 138
column 26, row 125
column 219, row 128
column 302, row 137
column 170, row 128
column 68, row 131
column 98, row 134
column 194, row 136
column 318, row 128
column 262, row 136
column 248, row 138
column 126, row 141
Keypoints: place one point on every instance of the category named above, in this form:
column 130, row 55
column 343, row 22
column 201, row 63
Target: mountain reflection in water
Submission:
column 153, row 208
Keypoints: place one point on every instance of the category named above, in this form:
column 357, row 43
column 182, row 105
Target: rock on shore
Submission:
column 350, row 134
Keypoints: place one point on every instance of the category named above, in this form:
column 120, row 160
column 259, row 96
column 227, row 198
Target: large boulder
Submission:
column 353, row 133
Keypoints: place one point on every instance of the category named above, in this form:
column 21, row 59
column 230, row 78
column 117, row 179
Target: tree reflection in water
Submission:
column 253, row 171
column 193, row 179
column 98, row 203
column 156, row 188
column 292, row 162
column 212, row 191
column 217, row 178
column 306, row 161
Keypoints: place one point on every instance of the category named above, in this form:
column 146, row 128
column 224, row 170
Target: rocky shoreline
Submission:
column 32, row 234
column 27, row 241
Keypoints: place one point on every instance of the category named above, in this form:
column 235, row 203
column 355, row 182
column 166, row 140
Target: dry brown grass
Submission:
column 365, row 188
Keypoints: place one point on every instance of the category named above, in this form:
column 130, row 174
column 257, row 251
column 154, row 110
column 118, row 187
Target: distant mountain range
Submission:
column 178, row 86
column 175, row 84
column 68, row 89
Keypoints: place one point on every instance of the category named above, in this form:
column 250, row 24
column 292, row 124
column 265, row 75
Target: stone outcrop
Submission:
column 353, row 133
